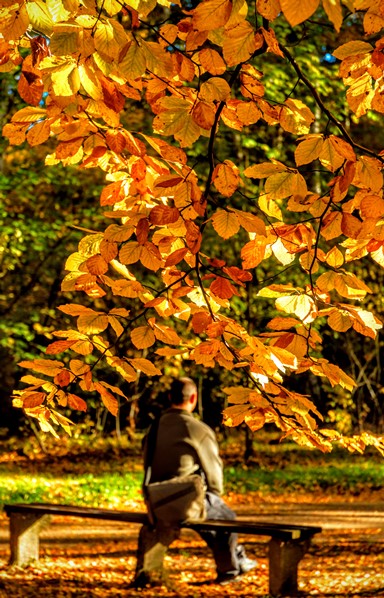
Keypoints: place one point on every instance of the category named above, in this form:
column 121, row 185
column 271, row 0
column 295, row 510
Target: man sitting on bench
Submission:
column 184, row 446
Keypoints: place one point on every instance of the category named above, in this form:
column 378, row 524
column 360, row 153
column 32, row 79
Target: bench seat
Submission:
column 288, row 543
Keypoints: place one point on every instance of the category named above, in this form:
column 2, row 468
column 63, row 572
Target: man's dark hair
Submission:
column 181, row 390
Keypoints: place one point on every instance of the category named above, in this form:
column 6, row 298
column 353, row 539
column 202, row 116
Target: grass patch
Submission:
column 340, row 477
column 112, row 490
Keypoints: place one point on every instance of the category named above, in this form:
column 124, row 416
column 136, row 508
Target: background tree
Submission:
column 250, row 143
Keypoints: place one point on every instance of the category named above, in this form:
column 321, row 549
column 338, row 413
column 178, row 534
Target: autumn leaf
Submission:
column 225, row 223
column 296, row 12
column 143, row 337
column 226, row 178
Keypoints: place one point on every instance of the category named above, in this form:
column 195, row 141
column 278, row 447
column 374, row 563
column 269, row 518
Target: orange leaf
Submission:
column 211, row 14
column 269, row 9
column 33, row 400
column 212, row 61
column 145, row 366
column 372, row 206
column 96, row 265
column 225, row 223
column 223, row 288
column 226, row 178
column 76, row 402
column 176, row 256
column 350, row 226
column 108, row 399
column 59, row 347
column 204, row 114
column 296, row 11
column 253, row 253
column 63, row 378
column 143, row 337
column 163, row 215
column 340, row 321
column 43, row 366
column 200, row 321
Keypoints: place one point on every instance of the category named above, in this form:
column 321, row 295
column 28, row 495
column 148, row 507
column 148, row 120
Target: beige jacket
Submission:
column 185, row 445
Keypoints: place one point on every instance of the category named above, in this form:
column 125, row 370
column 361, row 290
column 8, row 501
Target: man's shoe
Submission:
column 224, row 579
column 247, row 565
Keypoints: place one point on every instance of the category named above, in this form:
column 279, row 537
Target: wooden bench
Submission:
column 287, row 545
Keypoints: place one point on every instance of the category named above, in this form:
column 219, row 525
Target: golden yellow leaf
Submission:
column 145, row 366
column 340, row 320
column 265, row 169
column 234, row 416
column 255, row 419
column 352, row 48
column 211, row 14
column 143, row 337
column 331, row 227
column 334, row 257
column 92, row 323
column 296, row 11
column 237, row 394
column 343, row 148
column 296, row 117
column 123, row 368
column 74, row 309
column 106, row 41
column 334, row 12
column 302, row 306
column 284, row 184
column 248, row 112
column 283, row 323
column 166, row 334
column 360, row 94
column 133, row 63
column 308, row 150
column 215, row 89
column 150, row 257
column 373, row 20
column 212, row 61
column 40, row 17
column 240, row 43
column 14, row 20
column 65, row 39
column 250, row 222
column 130, row 253
column 269, row 9
column 372, row 206
column 39, row 133
column 43, row 366
column 29, row 114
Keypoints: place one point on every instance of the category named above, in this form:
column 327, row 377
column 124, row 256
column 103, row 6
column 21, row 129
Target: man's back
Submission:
column 185, row 445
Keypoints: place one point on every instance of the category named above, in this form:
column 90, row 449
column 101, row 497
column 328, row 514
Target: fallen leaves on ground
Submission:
column 337, row 565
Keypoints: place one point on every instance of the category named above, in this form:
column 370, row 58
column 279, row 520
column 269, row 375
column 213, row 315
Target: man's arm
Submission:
column 212, row 465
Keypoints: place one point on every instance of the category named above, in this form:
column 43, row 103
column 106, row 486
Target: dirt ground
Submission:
column 84, row 558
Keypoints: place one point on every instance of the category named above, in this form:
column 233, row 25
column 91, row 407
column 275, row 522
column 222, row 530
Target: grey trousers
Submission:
column 226, row 551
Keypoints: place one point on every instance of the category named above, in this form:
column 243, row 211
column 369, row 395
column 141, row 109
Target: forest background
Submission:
column 48, row 204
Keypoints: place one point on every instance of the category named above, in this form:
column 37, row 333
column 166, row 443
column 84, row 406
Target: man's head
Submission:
column 183, row 394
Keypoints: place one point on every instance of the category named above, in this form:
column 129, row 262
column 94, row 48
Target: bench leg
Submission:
column 152, row 548
column 24, row 537
column 284, row 558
